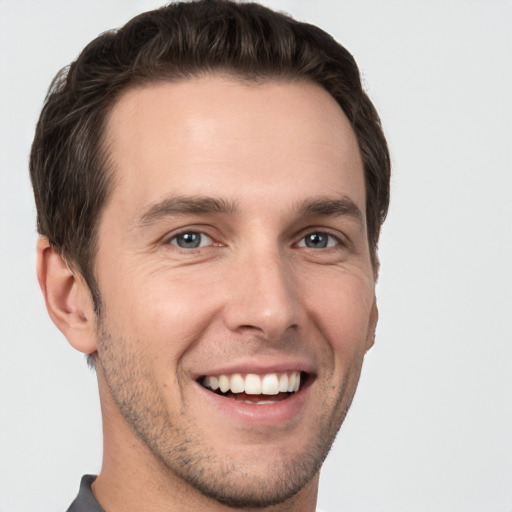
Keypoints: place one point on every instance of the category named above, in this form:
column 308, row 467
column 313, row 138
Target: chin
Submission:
column 256, row 484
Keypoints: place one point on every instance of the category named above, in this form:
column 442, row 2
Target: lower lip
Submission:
column 266, row 414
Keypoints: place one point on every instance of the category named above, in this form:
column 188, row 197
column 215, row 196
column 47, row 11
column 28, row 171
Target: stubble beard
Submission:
column 185, row 454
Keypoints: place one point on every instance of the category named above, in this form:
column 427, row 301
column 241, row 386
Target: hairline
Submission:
column 110, row 169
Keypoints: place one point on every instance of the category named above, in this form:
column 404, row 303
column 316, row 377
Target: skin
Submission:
column 252, row 296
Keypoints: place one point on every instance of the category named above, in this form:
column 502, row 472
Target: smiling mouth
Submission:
column 256, row 389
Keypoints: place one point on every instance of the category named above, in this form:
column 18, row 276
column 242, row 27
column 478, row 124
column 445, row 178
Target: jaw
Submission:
column 182, row 434
column 243, row 448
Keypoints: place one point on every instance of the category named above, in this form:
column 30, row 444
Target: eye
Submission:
column 318, row 240
column 190, row 240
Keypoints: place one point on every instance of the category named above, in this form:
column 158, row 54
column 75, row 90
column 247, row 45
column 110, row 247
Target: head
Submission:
column 69, row 164
column 216, row 179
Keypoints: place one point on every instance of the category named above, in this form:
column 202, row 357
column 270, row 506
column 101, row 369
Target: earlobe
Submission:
column 67, row 298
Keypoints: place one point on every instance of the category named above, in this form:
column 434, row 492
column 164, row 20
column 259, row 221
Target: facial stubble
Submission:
column 184, row 453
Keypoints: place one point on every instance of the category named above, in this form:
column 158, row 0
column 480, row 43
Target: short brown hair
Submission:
column 69, row 163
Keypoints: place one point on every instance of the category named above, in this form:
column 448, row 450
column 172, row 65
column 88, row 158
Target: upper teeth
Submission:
column 252, row 384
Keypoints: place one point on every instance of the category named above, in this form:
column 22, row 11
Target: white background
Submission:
column 431, row 425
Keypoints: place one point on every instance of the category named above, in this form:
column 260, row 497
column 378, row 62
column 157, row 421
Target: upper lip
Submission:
column 257, row 367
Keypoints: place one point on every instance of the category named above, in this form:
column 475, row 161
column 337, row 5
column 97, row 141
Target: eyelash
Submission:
column 302, row 242
column 326, row 234
column 189, row 232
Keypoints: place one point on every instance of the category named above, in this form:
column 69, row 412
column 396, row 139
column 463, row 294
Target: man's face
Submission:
column 232, row 252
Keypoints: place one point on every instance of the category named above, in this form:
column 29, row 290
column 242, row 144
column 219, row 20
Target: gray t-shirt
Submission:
column 85, row 501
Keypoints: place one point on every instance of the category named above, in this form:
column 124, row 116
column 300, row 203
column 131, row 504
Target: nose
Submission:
column 263, row 296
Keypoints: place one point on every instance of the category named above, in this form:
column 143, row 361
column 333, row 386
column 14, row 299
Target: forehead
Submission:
column 216, row 136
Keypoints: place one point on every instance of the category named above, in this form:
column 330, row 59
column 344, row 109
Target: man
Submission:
column 210, row 182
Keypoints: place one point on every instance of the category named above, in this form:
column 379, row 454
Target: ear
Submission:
column 67, row 298
column 372, row 324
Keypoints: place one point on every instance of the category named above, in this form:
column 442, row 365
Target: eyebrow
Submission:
column 325, row 206
column 183, row 205
column 201, row 205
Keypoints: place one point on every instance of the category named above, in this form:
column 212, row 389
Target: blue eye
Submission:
column 191, row 240
column 318, row 240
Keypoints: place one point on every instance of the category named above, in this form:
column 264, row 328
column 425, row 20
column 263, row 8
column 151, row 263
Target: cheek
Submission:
column 342, row 311
column 165, row 312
